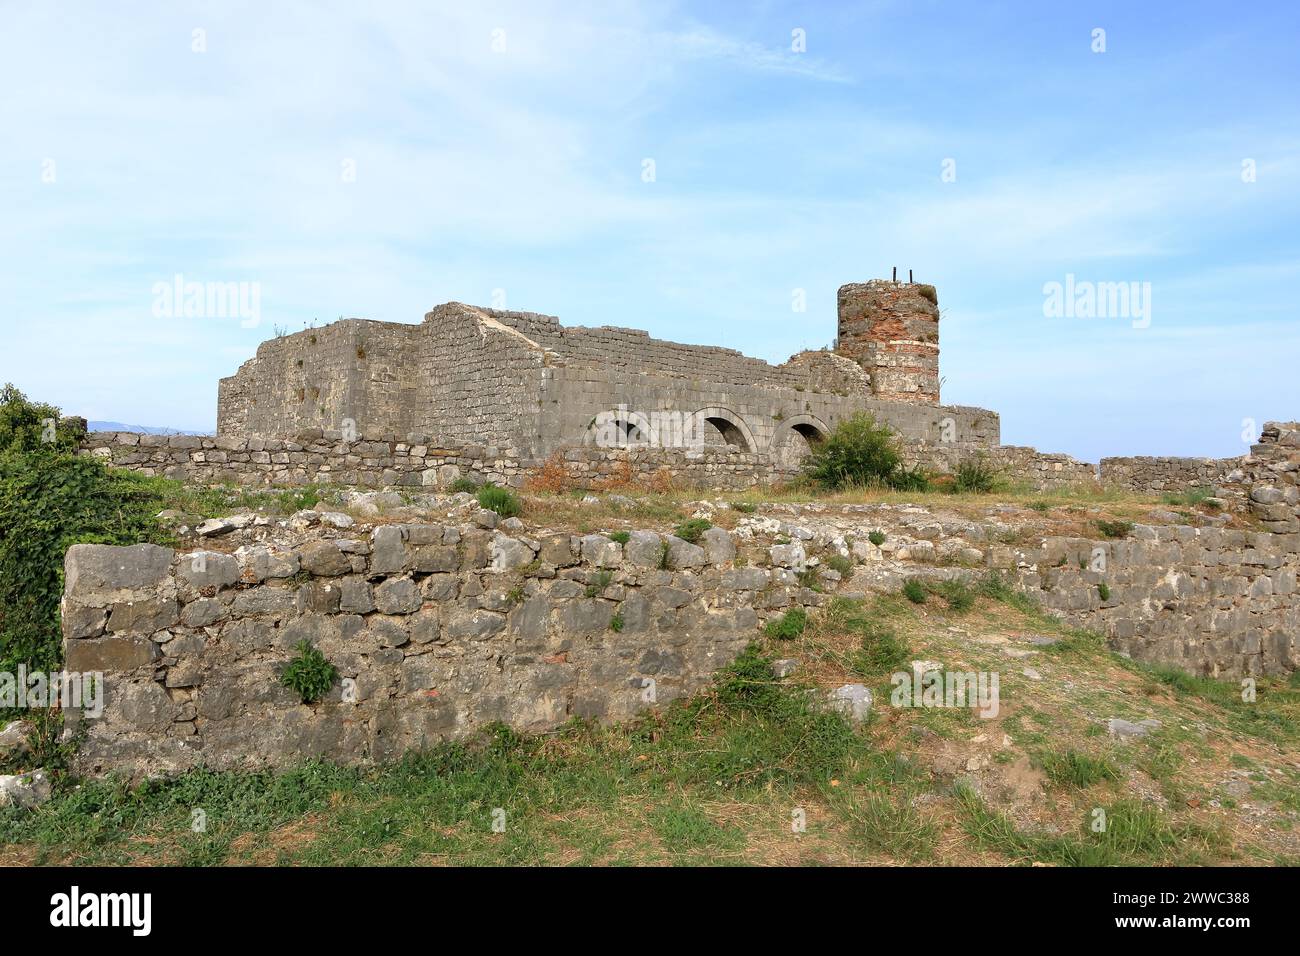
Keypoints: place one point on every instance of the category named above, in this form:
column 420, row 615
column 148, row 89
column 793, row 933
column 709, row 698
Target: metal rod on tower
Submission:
column 895, row 273
column 909, row 276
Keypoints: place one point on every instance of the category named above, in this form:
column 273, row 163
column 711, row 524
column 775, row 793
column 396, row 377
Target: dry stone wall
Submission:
column 314, row 458
column 435, row 629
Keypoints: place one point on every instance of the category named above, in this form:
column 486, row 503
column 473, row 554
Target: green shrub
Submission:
column 621, row 537
column 915, row 591
column 789, row 625
column 1115, row 529
column 27, row 426
column 309, row 674
column 841, row 564
column 956, row 592
column 1103, row 590
column 616, row 622
column 858, row 451
column 744, row 507
column 692, row 530
column 463, row 484
column 975, row 476
column 50, row 500
column 501, row 500
column 877, row 538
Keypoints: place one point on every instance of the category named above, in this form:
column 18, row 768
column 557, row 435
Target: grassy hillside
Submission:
column 724, row 777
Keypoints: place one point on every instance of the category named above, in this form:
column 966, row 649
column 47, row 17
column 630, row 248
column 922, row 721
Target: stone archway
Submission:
column 617, row 428
column 796, row 437
column 722, row 426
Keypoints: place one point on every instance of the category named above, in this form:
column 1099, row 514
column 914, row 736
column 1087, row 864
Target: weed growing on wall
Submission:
column 309, row 675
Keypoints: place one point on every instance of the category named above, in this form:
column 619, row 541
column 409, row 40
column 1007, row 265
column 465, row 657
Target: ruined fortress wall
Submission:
column 892, row 330
column 435, row 631
column 314, row 458
column 352, row 373
column 1154, row 475
column 482, row 379
column 1210, row 601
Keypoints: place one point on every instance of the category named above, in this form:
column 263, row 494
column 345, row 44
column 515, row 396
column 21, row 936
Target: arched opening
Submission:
column 617, row 429
column 796, row 438
column 724, row 428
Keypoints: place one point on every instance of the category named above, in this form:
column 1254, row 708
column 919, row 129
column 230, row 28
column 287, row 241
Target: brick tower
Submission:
column 891, row 329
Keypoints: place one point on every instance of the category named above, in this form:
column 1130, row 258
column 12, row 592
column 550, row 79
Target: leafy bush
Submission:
column 50, row 500
column 622, row 537
column 616, row 622
column 1103, row 591
column 858, row 451
column 463, row 484
column 501, row 500
column 309, row 674
column 975, row 476
column 744, row 507
column 877, row 538
column 1115, row 529
column 914, row 590
column 789, row 625
column 27, row 426
column 692, row 530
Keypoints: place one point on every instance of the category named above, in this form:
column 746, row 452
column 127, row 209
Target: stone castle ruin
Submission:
column 441, row 616
column 529, row 386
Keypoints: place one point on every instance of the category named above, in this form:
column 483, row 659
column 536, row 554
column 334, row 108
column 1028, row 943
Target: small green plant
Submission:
column 463, row 484
column 1114, row 529
column 877, row 538
column 599, row 582
column 309, row 674
column 975, row 476
column 1041, row 506
column 501, row 500
column 692, row 529
column 915, row 591
column 789, row 625
column 808, row 578
column 840, row 564
column 1103, row 589
column 664, row 550
column 616, row 622
column 515, row 594
column 957, row 592
column 620, row 536
column 744, row 507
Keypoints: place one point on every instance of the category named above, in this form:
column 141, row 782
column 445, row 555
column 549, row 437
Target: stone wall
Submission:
column 313, row 458
column 1154, row 475
column 434, row 629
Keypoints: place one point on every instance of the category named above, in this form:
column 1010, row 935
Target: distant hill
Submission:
column 145, row 429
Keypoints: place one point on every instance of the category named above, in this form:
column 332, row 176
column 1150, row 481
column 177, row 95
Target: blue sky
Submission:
column 502, row 147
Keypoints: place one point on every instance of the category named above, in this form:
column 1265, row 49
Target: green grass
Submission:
column 501, row 500
column 1078, row 770
column 915, row 591
column 570, row 795
column 789, row 625
column 1133, row 834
